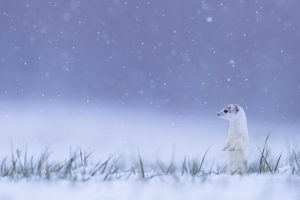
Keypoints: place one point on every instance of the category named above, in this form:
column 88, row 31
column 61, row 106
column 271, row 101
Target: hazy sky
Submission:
column 171, row 55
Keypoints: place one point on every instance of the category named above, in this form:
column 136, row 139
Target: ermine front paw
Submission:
column 227, row 145
column 231, row 149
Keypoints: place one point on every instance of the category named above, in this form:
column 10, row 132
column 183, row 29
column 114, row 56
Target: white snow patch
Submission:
column 223, row 187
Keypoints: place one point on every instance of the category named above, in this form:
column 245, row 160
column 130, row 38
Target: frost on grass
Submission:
column 82, row 176
column 81, row 166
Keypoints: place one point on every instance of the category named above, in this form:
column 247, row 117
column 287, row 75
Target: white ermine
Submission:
column 237, row 139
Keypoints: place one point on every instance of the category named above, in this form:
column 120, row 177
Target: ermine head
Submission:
column 231, row 112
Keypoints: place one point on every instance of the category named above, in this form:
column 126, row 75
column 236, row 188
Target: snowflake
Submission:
column 209, row 19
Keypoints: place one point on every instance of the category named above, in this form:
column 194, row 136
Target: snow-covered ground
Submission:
column 106, row 131
column 216, row 187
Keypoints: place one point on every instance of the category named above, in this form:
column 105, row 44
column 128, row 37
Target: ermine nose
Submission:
column 219, row 114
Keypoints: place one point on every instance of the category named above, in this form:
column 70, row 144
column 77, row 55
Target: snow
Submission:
column 216, row 187
column 106, row 131
column 159, row 65
column 209, row 19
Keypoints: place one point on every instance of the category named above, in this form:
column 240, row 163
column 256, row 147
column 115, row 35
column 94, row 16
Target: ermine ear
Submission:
column 236, row 108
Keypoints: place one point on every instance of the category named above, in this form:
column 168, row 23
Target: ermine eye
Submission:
column 225, row 111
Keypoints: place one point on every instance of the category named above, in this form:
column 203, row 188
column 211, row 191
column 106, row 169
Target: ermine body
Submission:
column 237, row 139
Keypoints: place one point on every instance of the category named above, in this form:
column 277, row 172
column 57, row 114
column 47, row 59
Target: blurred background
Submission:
column 177, row 60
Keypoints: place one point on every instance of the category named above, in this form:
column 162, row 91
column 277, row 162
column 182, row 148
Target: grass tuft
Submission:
column 80, row 166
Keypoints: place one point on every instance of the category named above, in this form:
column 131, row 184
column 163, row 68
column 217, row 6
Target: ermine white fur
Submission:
column 237, row 139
